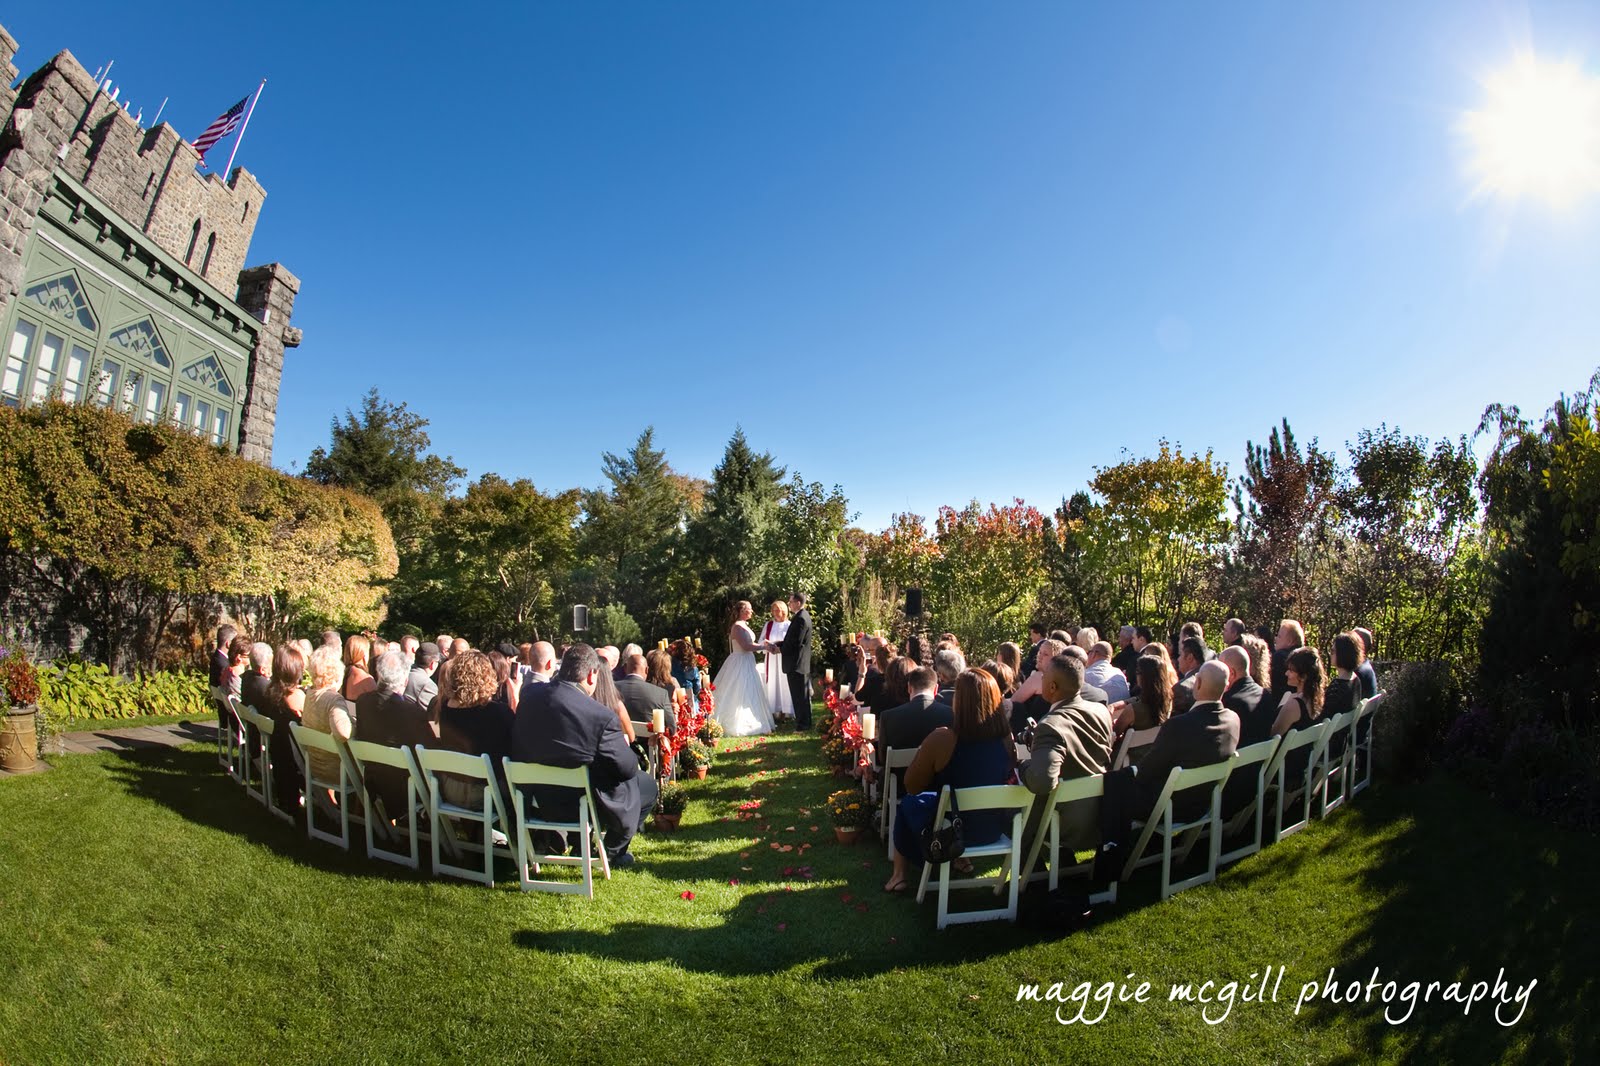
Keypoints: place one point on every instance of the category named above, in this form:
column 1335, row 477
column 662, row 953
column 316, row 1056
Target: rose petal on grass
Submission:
column 862, row 907
column 686, row 894
column 782, row 926
column 734, row 881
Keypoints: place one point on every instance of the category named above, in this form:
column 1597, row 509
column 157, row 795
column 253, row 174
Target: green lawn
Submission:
column 150, row 911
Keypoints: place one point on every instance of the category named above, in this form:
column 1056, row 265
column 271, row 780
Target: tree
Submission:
column 1076, row 586
column 383, row 453
column 1157, row 533
column 989, row 571
column 727, row 539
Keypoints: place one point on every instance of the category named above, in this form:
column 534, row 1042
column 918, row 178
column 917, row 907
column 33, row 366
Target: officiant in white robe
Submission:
column 777, row 685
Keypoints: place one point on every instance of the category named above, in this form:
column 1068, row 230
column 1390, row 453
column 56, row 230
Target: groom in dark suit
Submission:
column 797, row 660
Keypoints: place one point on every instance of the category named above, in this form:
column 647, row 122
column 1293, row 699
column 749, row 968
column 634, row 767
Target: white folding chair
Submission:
column 1251, row 761
column 1294, row 789
column 1133, row 738
column 1185, row 834
column 344, row 785
column 265, row 727
column 893, row 759
column 219, row 703
column 591, row 847
column 1008, row 849
column 365, row 753
column 238, row 743
column 1332, row 782
column 444, row 815
column 250, row 757
column 1361, row 746
column 1065, row 794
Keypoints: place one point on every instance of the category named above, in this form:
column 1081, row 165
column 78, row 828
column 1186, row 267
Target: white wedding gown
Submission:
column 778, row 697
column 741, row 696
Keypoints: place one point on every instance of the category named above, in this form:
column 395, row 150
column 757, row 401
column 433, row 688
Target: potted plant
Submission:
column 709, row 733
column 19, row 696
column 697, row 757
column 669, row 806
column 840, row 755
column 851, row 813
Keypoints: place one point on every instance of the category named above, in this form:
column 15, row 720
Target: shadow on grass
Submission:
column 1461, row 889
column 189, row 783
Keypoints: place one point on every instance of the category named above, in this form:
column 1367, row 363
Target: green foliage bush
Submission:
column 73, row 690
column 1423, row 700
column 115, row 523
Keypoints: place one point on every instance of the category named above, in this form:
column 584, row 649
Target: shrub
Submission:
column 75, row 690
column 1425, row 700
column 673, row 799
column 849, row 809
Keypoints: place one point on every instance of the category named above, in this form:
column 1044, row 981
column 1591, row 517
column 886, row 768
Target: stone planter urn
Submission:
column 19, row 739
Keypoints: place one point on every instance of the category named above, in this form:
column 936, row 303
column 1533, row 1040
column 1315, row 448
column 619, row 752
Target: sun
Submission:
column 1537, row 133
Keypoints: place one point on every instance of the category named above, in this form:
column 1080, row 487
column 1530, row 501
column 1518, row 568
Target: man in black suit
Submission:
column 1127, row 657
column 1190, row 658
column 560, row 724
column 797, row 660
column 1246, row 699
column 1291, row 635
column 1206, row 734
column 1030, row 661
column 384, row 716
column 640, row 696
column 909, row 724
column 253, row 683
column 219, row 657
column 1233, row 632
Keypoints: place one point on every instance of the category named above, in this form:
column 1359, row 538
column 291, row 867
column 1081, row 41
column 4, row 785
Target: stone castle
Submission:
column 122, row 268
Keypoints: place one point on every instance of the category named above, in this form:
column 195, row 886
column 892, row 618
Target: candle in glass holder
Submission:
column 827, row 675
column 658, row 721
column 869, row 727
column 696, row 643
column 844, row 692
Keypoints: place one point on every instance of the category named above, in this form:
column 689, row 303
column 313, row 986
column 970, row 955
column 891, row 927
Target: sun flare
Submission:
column 1537, row 133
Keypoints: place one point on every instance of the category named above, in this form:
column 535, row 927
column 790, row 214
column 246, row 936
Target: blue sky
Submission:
column 926, row 251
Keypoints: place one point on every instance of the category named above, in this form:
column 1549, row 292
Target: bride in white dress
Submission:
column 778, row 697
column 742, row 707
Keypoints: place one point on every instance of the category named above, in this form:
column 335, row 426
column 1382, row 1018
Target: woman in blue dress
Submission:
column 977, row 749
column 684, row 668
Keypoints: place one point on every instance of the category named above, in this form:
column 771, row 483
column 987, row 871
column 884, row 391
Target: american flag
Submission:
column 223, row 125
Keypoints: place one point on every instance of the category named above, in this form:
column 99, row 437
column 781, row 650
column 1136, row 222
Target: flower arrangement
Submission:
column 849, row 809
column 710, row 732
column 840, row 755
column 697, row 755
column 19, row 681
column 673, row 799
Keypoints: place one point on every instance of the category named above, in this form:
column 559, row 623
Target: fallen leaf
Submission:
column 733, row 881
column 686, row 895
column 782, row 926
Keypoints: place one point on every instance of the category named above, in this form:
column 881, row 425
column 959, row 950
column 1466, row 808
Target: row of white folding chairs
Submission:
column 426, row 802
column 1268, row 761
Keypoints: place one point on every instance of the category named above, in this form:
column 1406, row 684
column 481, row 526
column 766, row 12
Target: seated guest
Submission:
column 1260, row 653
column 1344, row 691
column 1245, row 698
column 379, row 648
column 617, row 671
column 1011, row 655
column 905, row 727
column 610, row 656
column 421, row 687
column 1103, row 674
column 1153, row 705
column 238, row 663
column 1033, row 687
column 1127, row 657
column 658, row 670
column 1369, row 676
column 219, row 655
column 331, row 639
column 476, row 721
column 326, row 711
column 685, row 668
column 384, row 716
column 561, row 725
column 1065, row 636
column 1030, row 662
column 895, row 691
column 357, row 679
column 408, row 647
column 1291, row 635
column 541, row 662
column 254, row 683
column 976, row 749
column 1143, row 637
column 1086, row 638
column 868, row 683
column 1232, row 632
column 1086, row 691
column 1206, row 734
column 285, row 702
column 508, row 683
column 1072, row 740
column 606, row 694
column 1196, row 631
column 640, row 697
column 948, row 664
column 919, row 650
column 1190, row 659
column 1301, row 704
column 1002, row 676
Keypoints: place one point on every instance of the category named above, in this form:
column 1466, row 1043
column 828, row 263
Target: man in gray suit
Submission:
column 420, row 685
column 1072, row 740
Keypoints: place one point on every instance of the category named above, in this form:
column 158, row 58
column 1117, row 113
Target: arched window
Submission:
column 210, row 407
column 194, row 239
column 211, row 246
column 60, row 350
column 136, row 372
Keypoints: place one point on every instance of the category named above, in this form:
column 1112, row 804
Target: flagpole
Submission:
column 240, row 139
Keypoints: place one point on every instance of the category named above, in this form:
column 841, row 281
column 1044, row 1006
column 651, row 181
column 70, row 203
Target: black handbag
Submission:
column 941, row 843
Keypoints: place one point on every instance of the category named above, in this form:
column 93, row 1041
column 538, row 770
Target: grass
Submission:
column 86, row 725
column 149, row 911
